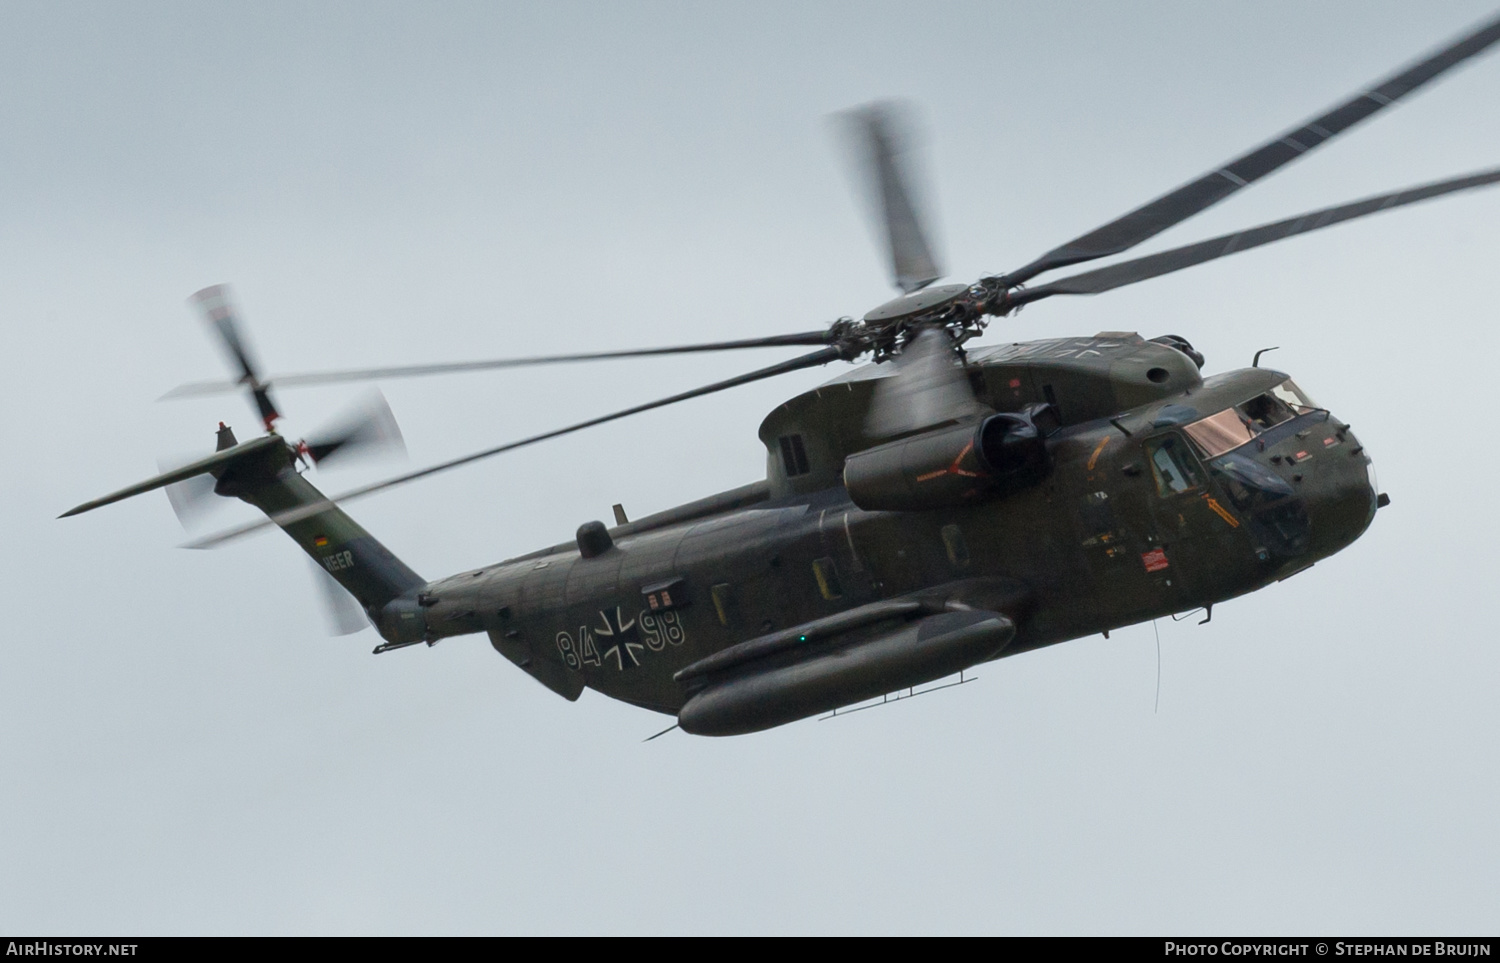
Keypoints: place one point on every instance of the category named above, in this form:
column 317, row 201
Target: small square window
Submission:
column 723, row 598
column 828, row 579
column 793, row 455
column 957, row 548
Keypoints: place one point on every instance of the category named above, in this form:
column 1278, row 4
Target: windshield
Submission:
column 1229, row 429
column 1219, row 433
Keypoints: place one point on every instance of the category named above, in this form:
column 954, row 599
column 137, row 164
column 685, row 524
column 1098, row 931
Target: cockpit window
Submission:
column 1219, row 433
column 1233, row 427
column 1295, row 397
column 1266, row 411
column 1174, row 467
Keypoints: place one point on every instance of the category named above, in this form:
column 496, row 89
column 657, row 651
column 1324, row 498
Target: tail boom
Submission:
column 263, row 473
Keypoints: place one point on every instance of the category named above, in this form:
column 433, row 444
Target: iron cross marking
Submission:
column 622, row 636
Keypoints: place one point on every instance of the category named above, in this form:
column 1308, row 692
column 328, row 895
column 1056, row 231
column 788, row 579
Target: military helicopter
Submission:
column 943, row 506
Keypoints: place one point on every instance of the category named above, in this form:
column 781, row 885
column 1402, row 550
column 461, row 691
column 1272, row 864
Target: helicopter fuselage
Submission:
column 1200, row 491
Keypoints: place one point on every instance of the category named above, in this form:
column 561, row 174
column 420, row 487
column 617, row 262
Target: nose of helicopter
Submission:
column 1339, row 486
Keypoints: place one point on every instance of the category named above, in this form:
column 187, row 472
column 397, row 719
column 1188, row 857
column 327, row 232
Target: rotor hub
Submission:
column 913, row 305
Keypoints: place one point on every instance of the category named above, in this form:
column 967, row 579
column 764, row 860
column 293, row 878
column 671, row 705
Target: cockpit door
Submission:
column 1181, row 507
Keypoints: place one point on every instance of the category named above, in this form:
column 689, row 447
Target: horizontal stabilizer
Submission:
column 208, row 465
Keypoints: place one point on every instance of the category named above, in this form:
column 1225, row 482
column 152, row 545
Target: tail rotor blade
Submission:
column 215, row 304
column 341, row 612
column 217, row 307
column 192, row 498
column 368, row 429
column 882, row 141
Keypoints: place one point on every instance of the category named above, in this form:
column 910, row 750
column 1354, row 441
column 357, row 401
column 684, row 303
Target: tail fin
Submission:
column 263, row 473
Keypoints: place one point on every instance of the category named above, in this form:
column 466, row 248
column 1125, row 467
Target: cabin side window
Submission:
column 827, row 577
column 1175, row 469
column 793, row 456
column 956, row 547
column 722, row 595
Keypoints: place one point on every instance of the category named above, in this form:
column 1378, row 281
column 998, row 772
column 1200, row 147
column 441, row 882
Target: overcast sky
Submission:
column 185, row 750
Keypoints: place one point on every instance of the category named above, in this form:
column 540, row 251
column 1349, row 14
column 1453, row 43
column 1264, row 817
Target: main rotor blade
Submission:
column 1178, row 205
column 882, row 138
column 812, row 360
column 199, row 388
column 1166, row 262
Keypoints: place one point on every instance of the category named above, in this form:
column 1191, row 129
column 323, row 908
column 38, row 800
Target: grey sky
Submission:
column 185, row 751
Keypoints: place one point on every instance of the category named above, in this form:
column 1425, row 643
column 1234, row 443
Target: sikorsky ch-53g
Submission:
column 943, row 506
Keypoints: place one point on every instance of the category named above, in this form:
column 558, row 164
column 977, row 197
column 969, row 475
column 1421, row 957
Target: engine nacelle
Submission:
column 953, row 466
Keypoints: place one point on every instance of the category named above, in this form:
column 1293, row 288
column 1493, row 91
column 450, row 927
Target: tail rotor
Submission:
column 364, row 430
column 367, row 429
column 192, row 498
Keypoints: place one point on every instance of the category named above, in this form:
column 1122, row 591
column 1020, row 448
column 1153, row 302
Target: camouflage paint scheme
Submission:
column 1082, row 484
column 1097, row 544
